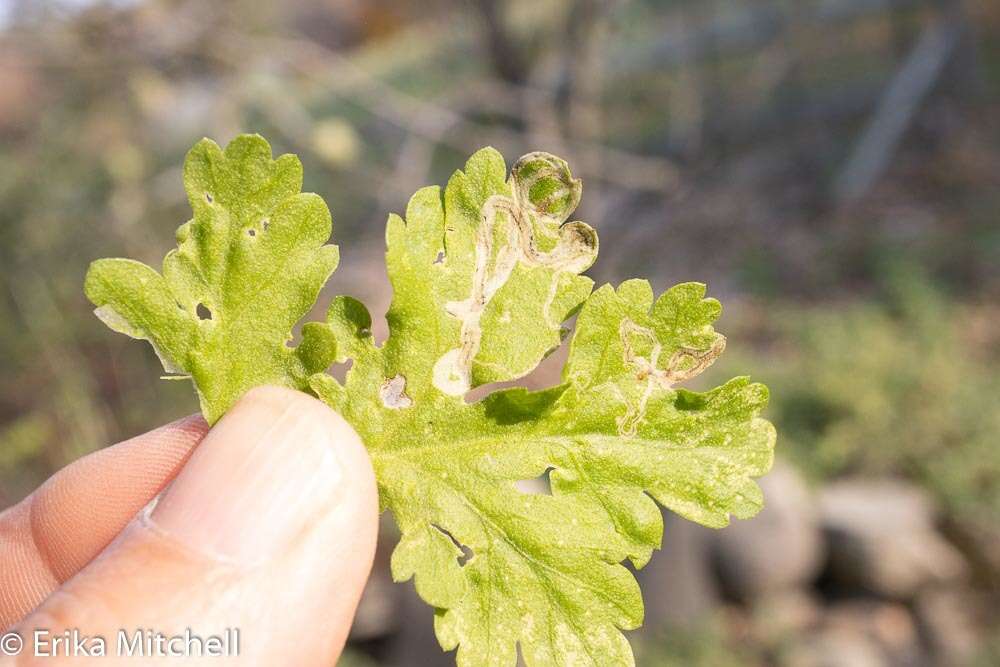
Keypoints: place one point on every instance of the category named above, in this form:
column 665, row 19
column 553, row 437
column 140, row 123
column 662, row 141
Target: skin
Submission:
column 266, row 523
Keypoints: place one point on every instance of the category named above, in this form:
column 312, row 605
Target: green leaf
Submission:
column 484, row 276
column 248, row 266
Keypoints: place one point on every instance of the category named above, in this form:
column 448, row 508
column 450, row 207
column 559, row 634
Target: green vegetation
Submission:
column 906, row 385
column 484, row 274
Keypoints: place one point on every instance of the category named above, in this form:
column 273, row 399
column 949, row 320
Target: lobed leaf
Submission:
column 484, row 276
column 248, row 266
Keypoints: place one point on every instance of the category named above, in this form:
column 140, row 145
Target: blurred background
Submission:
column 831, row 168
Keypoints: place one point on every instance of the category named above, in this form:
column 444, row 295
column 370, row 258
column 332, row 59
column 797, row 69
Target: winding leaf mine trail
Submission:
column 573, row 253
column 683, row 364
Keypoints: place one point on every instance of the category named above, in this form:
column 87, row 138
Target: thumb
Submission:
column 269, row 529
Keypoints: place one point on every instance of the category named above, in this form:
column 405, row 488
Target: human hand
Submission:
column 266, row 523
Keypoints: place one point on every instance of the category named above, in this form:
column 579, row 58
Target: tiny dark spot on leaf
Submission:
column 252, row 232
column 440, row 257
column 266, row 224
column 203, row 312
column 208, row 198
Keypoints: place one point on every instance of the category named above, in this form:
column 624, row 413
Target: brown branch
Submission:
column 509, row 62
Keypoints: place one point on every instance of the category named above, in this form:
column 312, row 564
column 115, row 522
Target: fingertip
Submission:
column 63, row 525
column 276, row 509
column 78, row 511
column 275, row 465
column 331, row 430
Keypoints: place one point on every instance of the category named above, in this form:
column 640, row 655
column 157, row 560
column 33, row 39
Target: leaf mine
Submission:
column 511, row 231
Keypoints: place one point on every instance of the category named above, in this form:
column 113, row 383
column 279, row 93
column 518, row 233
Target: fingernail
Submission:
column 259, row 476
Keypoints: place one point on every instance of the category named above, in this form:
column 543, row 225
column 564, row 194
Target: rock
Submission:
column 978, row 537
column 881, row 539
column 890, row 625
column 833, row 648
column 678, row 588
column 859, row 632
column 946, row 618
column 780, row 548
column 781, row 615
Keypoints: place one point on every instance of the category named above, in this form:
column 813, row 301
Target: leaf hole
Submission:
column 339, row 370
column 393, row 393
column 440, row 257
column 536, row 486
column 467, row 552
column 203, row 312
column 544, row 375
